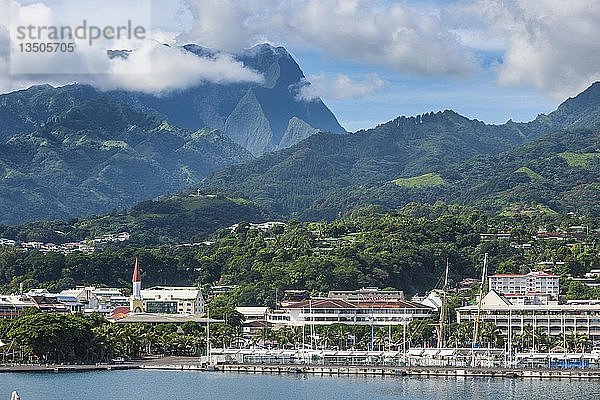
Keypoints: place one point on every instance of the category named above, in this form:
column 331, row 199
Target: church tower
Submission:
column 136, row 303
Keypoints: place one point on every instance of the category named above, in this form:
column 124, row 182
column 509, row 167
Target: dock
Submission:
column 336, row 370
column 66, row 368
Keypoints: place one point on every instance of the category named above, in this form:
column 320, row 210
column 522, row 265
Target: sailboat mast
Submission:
column 442, row 333
column 483, row 277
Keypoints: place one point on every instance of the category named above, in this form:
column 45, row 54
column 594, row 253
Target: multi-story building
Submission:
column 163, row 299
column 531, row 288
column 329, row 311
column 553, row 318
column 12, row 306
column 173, row 300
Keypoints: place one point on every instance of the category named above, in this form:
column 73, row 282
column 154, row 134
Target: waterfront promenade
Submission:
column 194, row 364
column 191, row 364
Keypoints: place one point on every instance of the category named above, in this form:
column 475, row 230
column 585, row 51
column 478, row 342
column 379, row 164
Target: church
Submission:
column 163, row 299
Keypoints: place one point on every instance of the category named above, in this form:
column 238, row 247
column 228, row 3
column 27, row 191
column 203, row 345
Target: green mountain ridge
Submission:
column 101, row 155
column 326, row 175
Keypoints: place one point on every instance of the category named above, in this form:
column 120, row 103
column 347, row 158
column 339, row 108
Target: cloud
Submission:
column 151, row 67
column 397, row 37
column 553, row 44
column 341, row 87
column 169, row 69
column 550, row 44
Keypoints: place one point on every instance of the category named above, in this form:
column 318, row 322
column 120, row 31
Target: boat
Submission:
column 15, row 396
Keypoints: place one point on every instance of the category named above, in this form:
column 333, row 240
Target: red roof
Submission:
column 137, row 277
column 120, row 312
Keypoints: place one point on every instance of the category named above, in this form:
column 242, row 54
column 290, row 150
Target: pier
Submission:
column 66, row 368
column 336, row 370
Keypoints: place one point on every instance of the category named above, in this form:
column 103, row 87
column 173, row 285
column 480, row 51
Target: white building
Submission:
column 84, row 295
column 338, row 311
column 173, row 300
column 253, row 313
column 554, row 319
column 531, row 288
column 12, row 306
column 433, row 299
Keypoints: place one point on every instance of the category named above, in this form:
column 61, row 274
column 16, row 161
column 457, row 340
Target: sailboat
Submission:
column 441, row 340
column 479, row 303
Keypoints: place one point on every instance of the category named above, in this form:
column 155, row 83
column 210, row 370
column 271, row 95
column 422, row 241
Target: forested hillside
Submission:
column 406, row 249
column 550, row 162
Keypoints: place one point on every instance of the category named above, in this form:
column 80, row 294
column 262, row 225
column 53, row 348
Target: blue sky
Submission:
column 369, row 60
column 476, row 97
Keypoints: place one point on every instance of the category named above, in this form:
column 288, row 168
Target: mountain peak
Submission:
column 200, row 51
column 266, row 48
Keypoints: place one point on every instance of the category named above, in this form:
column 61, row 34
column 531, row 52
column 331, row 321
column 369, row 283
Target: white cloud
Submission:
column 340, row 87
column 151, row 67
column 397, row 37
column 551, row 44
column 171, row 68
column 343, row 87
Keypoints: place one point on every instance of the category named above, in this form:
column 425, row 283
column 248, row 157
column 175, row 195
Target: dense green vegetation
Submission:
column 69, row 338
column 101, row 155
column 169, row 220
column 406, row 249
column 421, row 181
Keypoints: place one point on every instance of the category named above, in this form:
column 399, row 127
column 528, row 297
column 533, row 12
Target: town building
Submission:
column 12, row 306
column 532, row 288
column 433, row 299
column 364, row 294
column 173, row 300
column 164, row 299
column 361, row 307
column 553, row 319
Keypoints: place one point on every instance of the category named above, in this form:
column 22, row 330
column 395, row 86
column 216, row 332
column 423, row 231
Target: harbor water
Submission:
column 189, row 385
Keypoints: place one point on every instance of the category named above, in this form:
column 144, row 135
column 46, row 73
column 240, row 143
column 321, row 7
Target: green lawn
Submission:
column 530, row 173
column 421, row 181
column 579, row 159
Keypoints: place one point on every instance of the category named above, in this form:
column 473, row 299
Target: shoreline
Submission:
column 192, row 364
column 336, row 370
column 66, row 368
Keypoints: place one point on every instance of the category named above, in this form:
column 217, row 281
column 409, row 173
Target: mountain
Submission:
column 559, row 171
column 261, row 117
column 74, row 150
column 24, row 110
column 102, row 155
column 426, row 158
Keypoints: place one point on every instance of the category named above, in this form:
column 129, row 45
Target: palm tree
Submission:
column 327, row 335
column 461, row 334
column 578, row 342
column 542, row 340
column 491, row 334
column 525, row 338
column 420, row 332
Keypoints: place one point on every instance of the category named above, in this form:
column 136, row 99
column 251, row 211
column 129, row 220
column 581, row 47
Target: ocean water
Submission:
column 188, row 385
